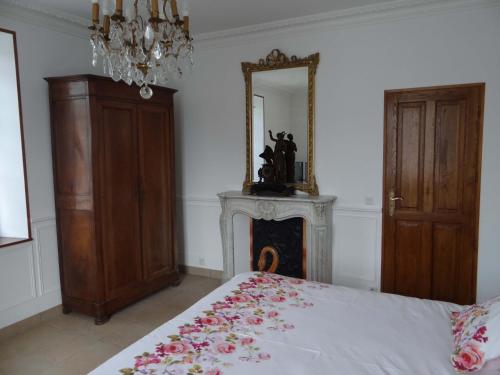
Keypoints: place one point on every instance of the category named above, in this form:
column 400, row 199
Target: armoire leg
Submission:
column 66, row 309
column 100, row 320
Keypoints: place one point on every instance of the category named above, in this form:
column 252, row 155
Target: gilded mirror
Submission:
column 280, row 107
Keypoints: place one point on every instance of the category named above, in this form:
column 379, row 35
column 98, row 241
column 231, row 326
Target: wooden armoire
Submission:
column 113, row 155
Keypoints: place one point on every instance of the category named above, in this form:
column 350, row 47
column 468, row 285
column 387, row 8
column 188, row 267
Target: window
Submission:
column 14, row 210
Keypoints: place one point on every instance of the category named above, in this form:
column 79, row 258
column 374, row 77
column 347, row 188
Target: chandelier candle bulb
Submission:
column 106, row 24
column 175, row 12
column 186, row 24
column 95, row 12
column 154, row 8
column 119, row 7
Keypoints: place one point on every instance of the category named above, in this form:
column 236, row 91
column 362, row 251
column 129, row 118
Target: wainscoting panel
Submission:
column 198, row 233
column 357, row 247
column 29, row 275
column 18, row 275
column 46, row 248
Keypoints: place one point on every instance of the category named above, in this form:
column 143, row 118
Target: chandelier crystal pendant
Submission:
column 147, row 46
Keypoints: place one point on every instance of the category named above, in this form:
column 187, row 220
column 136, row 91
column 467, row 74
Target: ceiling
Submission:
column 215, row 15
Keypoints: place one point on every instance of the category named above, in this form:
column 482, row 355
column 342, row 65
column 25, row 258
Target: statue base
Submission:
column 271, row 190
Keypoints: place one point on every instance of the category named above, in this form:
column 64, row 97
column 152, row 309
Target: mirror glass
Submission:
column 280, row 120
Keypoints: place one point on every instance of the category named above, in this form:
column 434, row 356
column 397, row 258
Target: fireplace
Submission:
column 315, row 213
column 279, row 247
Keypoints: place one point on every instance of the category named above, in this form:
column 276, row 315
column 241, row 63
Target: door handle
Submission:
column 397, row 199
column 392, row 202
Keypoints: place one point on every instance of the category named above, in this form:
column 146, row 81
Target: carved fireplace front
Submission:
column 315, row 263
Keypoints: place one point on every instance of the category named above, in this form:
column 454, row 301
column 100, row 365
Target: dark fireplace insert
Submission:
column 279, row 247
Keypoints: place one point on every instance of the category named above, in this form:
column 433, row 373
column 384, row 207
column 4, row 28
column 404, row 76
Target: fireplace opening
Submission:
column 278, row 247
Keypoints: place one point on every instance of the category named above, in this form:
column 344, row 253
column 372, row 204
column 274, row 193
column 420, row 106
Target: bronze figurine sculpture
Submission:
column 278, row 168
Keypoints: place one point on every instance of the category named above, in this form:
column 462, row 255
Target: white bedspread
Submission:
column 272, row 325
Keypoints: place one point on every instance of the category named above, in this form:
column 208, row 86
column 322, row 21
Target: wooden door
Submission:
column 432, row 163
column 119, row 197
column 156, row 164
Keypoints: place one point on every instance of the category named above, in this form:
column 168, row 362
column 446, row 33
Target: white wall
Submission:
column 29, row 276
column 13, row 210
column 358, row 62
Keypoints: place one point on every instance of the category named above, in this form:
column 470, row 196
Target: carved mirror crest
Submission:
column 280, row 106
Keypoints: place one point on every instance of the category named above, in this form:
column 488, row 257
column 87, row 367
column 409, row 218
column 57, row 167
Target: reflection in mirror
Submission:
column 280, row 104
column 258, row 133
column 14, row 221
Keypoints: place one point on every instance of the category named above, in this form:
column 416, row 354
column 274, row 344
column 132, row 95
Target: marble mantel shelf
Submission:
column 317, row 211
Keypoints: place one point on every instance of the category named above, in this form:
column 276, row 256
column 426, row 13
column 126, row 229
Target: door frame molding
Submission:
column 385, row 188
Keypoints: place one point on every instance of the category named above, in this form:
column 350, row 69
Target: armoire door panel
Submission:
column 155, row 154
column 410, row 135
column 73, row 166
column 119, row 197
column 76, row 235
column 432, row 163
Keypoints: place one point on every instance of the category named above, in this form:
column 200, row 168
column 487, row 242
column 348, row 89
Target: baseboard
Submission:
column 198, row 271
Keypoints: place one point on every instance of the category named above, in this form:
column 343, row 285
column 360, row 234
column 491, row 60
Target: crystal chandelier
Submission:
column 149, row 45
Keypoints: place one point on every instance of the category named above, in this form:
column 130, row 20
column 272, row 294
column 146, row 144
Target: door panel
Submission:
column 432, row 162
column 449, row 149
column 410, row 267
column 411, row 127
column 157, row 202
column 447, row 246
column 119, row 194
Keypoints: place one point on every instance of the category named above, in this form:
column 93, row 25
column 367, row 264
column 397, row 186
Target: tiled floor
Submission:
column 72, row 344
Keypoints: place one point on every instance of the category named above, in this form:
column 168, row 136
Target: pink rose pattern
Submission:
column 231, row 328
column 470, row 335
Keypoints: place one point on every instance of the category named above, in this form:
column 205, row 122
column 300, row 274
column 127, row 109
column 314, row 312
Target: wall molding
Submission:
column 40, row 257
column 347, row 17
column 198, row 201
column 77, row 26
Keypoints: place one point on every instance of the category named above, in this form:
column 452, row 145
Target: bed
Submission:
column 268, row 324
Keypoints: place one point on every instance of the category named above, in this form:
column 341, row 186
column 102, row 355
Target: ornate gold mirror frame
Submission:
column 278, row 60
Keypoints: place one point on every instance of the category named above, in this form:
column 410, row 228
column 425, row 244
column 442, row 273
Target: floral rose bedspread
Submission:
column 269, row 324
